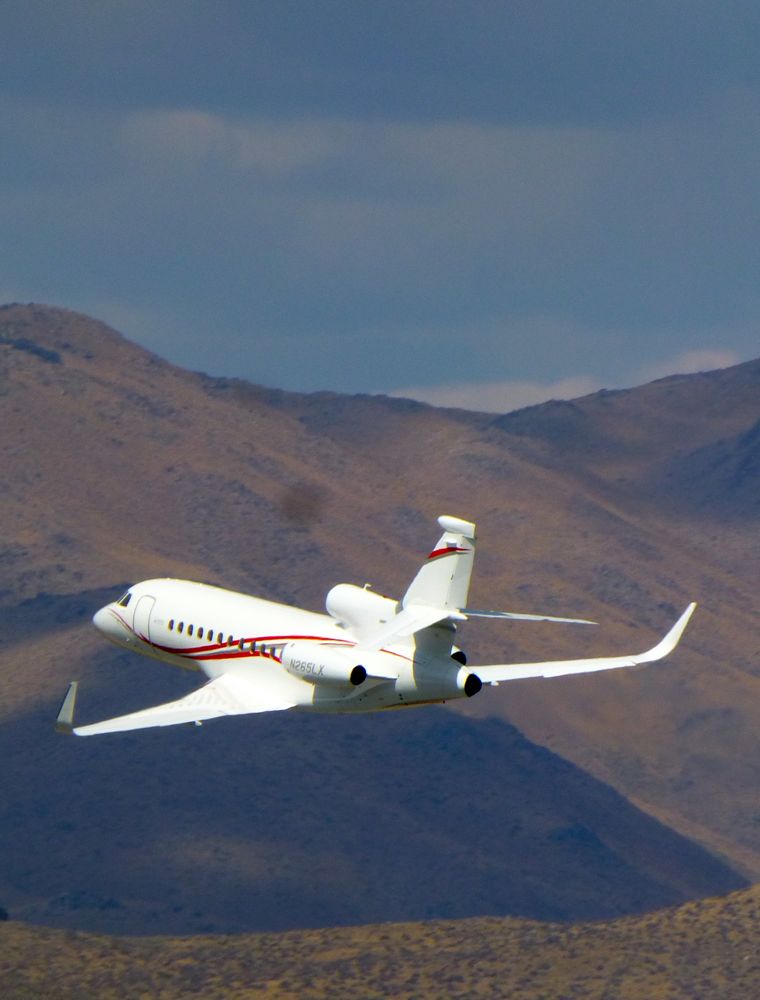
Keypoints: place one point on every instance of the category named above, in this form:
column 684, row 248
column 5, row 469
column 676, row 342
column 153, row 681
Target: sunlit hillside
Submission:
column 707, row 949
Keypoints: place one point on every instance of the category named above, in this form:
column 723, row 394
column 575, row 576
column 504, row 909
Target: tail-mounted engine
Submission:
column 468, row 682
column 359, row 608
column 320, row 663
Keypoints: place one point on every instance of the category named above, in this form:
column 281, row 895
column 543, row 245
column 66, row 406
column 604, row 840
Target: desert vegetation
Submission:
column 705, row 949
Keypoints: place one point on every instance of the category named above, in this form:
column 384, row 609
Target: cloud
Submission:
column 500, row 397
column 362, row 254
column 507, row 395
column 192, row 139
column 689, row 362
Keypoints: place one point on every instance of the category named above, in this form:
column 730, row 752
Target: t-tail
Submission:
column 444, row 578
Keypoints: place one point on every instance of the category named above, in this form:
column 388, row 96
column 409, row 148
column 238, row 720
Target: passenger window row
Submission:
column 265, row 649
column 200, row 632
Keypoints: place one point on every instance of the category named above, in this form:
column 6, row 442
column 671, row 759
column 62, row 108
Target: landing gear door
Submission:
column 143, row 613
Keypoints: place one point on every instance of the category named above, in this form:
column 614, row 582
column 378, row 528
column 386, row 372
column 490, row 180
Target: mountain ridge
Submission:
column 123, row 467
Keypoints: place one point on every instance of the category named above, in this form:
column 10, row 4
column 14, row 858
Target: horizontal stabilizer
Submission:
column 515, row 616
column 494, row 673
column 225, row 695
column 413, row 618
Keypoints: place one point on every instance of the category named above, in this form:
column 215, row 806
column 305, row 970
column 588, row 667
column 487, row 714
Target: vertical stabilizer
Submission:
column 444, row 579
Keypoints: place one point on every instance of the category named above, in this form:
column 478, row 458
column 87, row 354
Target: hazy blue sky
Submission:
column 485, row 203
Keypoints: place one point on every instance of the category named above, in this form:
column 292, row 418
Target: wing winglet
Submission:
column 670, row 641
column 65, row 721
column 493, row 673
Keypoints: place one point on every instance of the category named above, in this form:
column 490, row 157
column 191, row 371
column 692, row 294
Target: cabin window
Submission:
column 200, row 632
column 189, row 629
column 124, row 600
column 230, row 640
column 181, row 627
column 220, row 638
column 171, row 624
column 241, row 644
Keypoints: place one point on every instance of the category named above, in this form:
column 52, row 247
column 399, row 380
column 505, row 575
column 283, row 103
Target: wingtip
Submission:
column 683, row 621
column 669, row 642
column 65, row 721
column 678, row 629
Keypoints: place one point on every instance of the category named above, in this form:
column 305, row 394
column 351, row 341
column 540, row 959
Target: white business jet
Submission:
column 368, row 652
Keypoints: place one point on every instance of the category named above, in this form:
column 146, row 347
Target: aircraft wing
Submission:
column 494, row 673
column 224, row 695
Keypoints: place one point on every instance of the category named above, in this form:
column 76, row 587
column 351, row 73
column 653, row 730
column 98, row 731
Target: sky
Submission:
column 481, row 204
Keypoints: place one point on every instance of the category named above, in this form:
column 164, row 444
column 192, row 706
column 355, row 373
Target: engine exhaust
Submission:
column 472, row 685
column 358, row 675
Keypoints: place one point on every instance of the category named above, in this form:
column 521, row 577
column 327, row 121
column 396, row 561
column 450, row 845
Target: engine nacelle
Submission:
column 468, row 682
column 319, row 663
column 357, row 607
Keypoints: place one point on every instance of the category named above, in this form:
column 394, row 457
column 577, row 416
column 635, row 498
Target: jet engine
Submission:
column 320, row 663
column 468, row 682
column 359, row 608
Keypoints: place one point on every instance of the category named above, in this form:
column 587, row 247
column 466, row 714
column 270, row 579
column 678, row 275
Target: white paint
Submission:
column 260, row 656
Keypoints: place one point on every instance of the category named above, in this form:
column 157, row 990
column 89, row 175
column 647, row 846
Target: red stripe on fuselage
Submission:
column 226, row 650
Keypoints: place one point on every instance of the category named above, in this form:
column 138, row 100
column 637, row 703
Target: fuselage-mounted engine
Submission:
column 320, row 663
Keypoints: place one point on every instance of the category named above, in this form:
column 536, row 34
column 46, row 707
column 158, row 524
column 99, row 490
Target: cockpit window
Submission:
column 124, row 601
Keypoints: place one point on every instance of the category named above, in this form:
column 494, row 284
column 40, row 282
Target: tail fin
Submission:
column 444, row 579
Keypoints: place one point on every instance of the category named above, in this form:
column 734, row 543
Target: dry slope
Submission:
column 706, row 949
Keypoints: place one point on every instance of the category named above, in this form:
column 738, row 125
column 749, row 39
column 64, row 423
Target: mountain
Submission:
column 120, row 466
column 705, row 949
column 723, row 476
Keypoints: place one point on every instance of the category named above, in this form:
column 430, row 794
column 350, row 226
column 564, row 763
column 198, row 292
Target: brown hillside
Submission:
column 706, row 949
column 119, row 466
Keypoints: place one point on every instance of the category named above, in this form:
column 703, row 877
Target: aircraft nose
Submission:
column 111, row 625
column 101, row 619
